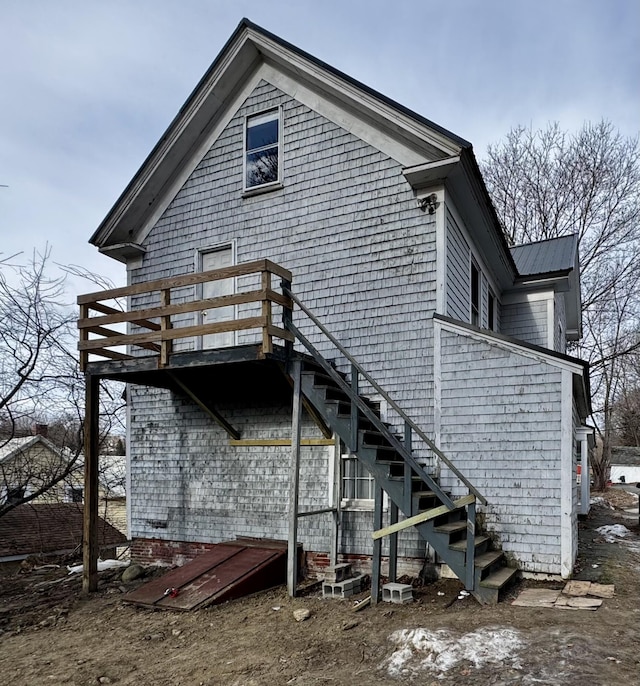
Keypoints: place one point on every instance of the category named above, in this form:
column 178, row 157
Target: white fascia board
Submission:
column 197, row 156
column 336, row 112
column 355, row 97
column 512, row 347
column 340, row 116
column 567, row 533
column 237, row 59
column 515, row 297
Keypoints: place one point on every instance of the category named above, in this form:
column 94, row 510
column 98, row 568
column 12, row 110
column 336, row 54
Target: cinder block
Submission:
column 341, row 589
column 397, row 593
column 337, row 573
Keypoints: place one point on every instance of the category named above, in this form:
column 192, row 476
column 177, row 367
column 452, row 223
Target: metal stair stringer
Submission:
column 381, row 472
column 448, row 526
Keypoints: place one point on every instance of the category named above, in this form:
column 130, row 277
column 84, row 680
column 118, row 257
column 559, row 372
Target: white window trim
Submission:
column 248, row 191
column 358, row 504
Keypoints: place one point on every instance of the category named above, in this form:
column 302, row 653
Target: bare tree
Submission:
column 40, row 381
column 549, row 183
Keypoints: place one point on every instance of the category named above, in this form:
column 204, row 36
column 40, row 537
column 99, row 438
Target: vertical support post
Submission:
column 376, row 561
column 294, row 480
column 471, row 546
column 287, row 318
column 393, row 544
column 585, row 478
column 354, row 409
column 84, row 336
column 267, row 341
column 335, row 502
column 166, row 346
column 90, row 523
column 408, row 475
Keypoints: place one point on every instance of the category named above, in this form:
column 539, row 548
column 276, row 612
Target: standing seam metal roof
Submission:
column 545, row 257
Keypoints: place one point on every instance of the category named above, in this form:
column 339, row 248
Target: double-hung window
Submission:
column 262, row 150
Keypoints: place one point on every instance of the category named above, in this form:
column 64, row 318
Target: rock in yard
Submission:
column 301, row 614
column 132, row 572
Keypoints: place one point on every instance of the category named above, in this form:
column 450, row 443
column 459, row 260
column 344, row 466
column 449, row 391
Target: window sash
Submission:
column 262, row 150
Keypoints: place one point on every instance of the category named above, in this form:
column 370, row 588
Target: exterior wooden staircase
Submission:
column 448, row 526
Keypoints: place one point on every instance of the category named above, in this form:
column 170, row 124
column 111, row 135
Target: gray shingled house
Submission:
column 328, row 334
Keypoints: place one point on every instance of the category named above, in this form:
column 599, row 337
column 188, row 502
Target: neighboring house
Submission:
column 279, row 167
column 29, row 465
column 625, row 465
column 49, row 529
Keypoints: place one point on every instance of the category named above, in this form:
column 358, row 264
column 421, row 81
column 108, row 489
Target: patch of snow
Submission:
column 612, row 532
column 102, row 565
column 421, row 649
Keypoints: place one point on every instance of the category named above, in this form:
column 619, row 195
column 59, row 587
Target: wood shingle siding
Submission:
column 363, row 258
column 500, row 423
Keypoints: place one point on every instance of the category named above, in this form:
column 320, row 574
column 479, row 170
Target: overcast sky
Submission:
column 87, row 87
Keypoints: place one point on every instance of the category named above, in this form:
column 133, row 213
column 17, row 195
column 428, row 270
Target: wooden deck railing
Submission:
column 159, row 325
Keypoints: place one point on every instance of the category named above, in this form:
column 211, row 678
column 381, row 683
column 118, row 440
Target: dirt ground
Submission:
column 50, row 634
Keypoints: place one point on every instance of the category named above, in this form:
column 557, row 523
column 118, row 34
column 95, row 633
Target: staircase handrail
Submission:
column 373, row 418
column 434, row 448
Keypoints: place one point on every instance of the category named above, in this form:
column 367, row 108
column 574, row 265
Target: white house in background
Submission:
column 278, row 165
column 625, row 465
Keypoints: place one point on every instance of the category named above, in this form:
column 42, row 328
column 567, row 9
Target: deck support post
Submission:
column 90, row 522
column 376, row 561
column 393, row 543
column 471, row 545
column 294, row 479
column 335, row 502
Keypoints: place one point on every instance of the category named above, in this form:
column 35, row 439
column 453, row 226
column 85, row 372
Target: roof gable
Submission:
column 253, row 54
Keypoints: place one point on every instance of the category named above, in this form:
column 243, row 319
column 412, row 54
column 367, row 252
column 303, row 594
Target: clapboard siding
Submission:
column 458, row 275
column 526, row 320
column 500, row 424
column 363, row 259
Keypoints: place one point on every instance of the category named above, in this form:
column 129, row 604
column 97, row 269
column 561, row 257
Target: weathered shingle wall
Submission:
column 191, row 485
column 501, row 427
column 363, row 259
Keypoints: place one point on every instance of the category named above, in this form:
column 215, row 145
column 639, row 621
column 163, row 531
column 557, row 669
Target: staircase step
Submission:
column 500, row 578
column 478, row 542
column 487, row 559
column 451, row 527
column 373, row 437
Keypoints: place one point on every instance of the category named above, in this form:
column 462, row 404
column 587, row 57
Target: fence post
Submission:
column 267, row 341
column 166, row 345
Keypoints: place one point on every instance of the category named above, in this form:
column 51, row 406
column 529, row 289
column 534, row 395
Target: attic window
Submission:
column 262, row 149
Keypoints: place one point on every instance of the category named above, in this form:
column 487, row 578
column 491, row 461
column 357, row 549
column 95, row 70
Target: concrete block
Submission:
column 342, row 589
column 397, row 593
column 337, row 573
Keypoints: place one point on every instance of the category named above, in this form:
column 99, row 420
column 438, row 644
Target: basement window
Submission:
column 262, row 150
column 357, row 485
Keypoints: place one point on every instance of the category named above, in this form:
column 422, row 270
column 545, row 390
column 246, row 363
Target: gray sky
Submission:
column 88, row 87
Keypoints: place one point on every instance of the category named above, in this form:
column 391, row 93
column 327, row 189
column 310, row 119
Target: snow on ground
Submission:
column 102, row 565
column 419, row 650
column 613, row 532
